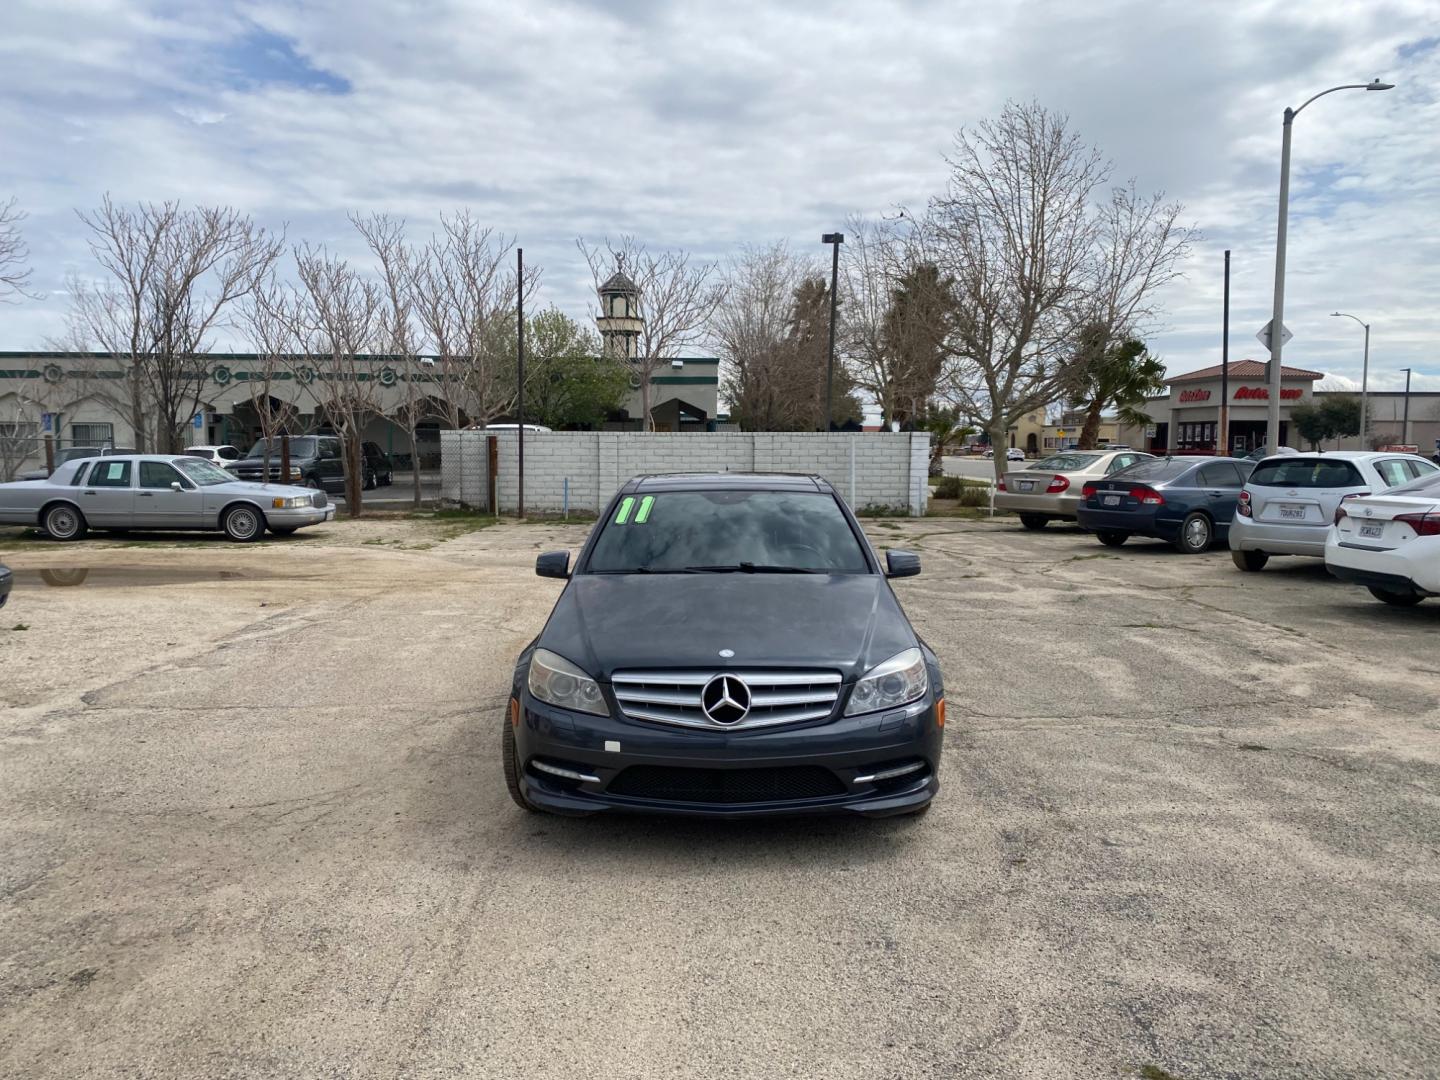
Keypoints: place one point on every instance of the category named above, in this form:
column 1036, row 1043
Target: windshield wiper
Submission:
column 750, row 568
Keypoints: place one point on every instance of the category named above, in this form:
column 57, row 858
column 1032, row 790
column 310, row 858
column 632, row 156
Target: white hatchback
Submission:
column 1390, row 543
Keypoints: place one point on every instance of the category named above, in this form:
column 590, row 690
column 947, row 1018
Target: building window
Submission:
column 92, row 434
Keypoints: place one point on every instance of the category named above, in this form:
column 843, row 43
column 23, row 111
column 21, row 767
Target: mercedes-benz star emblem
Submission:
column 725, row 699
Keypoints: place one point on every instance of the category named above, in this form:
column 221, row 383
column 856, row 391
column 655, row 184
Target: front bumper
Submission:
column 850, row 748
column 7, row 579
column 300, row 516
column 1053, row 506
column 1247, row 534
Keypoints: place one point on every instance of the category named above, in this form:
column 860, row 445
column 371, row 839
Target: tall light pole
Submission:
column 834, row 239
column 1405, row 424
column 1364, row 372
column 1277, row 323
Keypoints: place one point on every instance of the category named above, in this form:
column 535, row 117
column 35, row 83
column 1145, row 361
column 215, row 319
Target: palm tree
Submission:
column 1121, row 376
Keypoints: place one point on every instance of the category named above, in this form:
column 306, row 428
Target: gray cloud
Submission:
column 711, row 126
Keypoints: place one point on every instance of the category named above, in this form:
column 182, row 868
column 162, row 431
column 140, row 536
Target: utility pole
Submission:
column 834, row 239
column 1405, row 424
column 520, row 376
column 1224, row 448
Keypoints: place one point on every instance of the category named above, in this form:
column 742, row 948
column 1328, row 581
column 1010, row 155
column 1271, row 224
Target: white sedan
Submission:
column 1390, row 543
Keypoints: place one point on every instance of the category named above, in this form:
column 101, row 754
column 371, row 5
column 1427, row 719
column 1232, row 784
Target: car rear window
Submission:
column 1066, row 462
column 1303, row 472
column 1153, row 470
column 679, row 530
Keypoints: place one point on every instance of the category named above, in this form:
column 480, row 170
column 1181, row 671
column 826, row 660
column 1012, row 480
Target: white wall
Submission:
column 869, row 470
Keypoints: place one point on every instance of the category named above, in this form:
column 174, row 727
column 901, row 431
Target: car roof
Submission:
column 735, row 481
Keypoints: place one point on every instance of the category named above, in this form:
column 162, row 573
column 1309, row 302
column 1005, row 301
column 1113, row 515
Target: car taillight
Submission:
column 1353, row 495
column 1340, row 512
column 1147, row 496
column 1423, row 524
column 1243, row 508
column 1000, row 485
column 1057, row 485
column 1088, row 491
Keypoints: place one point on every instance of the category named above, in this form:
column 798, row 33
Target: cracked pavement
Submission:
column 255, row 826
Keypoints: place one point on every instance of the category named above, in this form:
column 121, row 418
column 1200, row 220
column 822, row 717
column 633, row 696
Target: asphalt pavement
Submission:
column 254, row 825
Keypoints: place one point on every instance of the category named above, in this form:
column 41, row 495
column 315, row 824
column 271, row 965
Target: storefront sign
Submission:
column 1262, row 393
column 1194, row 395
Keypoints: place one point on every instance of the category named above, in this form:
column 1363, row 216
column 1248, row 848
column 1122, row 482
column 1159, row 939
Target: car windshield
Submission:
column 728, row 531
column 1066, row 462
column 204, row 473
column 301, row 447
column 1154, row 470
column 1306, row 472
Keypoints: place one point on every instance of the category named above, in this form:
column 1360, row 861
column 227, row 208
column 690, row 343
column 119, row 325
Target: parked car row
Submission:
column 1374, row 517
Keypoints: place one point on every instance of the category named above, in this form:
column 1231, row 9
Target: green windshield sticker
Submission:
column 623, row 514
column 645, row 504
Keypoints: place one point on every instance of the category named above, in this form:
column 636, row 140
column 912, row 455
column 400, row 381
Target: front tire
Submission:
column 1033, row 522
column 244, row 524
column 1253, row 561
column 64, row 522
column 511, row 758
column 1196, row 535
column 1395, row 599
column 370, row 482
column 1111, row 537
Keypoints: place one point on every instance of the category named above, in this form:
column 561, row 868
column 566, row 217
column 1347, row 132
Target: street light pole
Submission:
column 1364, row 374
column 1405, row 424
column 1277, row 324
column 834, row 239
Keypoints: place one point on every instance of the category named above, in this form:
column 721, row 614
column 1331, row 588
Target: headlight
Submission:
column 295, row 473
column 555, row 680
column 292, row 503
column 898, row 681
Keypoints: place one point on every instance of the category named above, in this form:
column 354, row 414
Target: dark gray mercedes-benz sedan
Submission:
column 726, row 645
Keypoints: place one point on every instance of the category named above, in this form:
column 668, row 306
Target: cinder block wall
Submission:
column 869, row 470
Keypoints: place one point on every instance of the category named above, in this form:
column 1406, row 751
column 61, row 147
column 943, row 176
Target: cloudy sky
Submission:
column 708, row 126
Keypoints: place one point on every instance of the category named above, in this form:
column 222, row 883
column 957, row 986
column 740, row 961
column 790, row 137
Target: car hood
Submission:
column 610, row 622
column 258, row 490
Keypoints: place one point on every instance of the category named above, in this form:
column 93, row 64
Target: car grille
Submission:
column 776, row 697
column 672, row 784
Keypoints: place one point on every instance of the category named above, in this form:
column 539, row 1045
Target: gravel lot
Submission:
column 255, row 826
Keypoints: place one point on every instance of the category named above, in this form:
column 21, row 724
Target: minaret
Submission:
column 619, row 321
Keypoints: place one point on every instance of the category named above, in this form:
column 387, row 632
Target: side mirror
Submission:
column 553, row 564
column 175, row 485
column 901, row 564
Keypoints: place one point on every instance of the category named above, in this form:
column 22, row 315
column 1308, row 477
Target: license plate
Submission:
column 1293, row 513
column 1111, row 500
column 1027, row 485
column 1373, row 532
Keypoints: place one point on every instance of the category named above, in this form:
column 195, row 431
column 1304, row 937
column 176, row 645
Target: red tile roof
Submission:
column 1245, row 369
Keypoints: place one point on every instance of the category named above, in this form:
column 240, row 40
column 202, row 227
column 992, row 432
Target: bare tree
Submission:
column 676, row 300
column 14, row 255
column 338, row 316
column 19, row 435
column 173, row 275
column 463, row 298
column 269, row 314
column 399, row 335
column 1014, row 230
column 749, row 329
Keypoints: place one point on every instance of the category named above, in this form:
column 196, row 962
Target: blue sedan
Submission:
column 1188, row 502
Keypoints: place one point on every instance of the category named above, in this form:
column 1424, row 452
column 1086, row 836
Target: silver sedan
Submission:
column 1049, row 490
column 149, row 492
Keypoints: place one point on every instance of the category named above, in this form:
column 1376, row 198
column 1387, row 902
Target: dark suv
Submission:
column 726, row 646
column 315, row 461
column 379, row 471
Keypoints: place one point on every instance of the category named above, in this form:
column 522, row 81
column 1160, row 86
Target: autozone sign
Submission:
column 1262, row 393
column 1194, row 395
